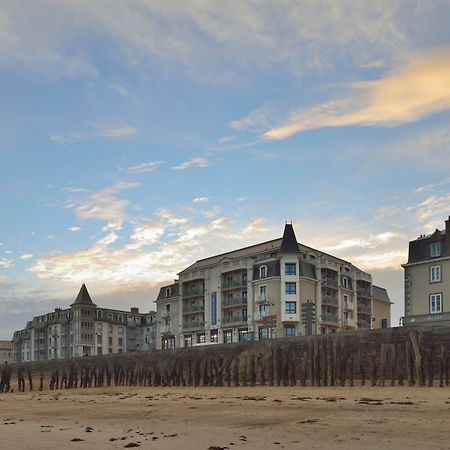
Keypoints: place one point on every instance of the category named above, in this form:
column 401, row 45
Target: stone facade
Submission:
column 265, row 290
column 5, row 352
column 427, row 280
column 84, row 329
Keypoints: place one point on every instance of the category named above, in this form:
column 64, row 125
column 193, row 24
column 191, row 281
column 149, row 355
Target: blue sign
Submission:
column 213, row 308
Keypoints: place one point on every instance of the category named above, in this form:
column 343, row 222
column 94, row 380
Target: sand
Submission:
column 234, row 418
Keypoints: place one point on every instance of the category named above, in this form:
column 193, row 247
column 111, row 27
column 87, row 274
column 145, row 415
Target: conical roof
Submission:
column 83, row 298
column 289, row 242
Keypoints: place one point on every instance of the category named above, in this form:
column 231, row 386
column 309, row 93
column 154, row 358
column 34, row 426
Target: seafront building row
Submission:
column 272, row 289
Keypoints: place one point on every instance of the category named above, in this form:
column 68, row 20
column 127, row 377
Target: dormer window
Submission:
column 435, row 249
column 168, row 292
column 263, row 272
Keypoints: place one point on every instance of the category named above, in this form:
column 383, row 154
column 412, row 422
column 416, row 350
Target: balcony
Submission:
column 262, row 299
column 327, row 317
column 193, row 293
column 234, row 301
column 363, row 323
column 192, row 309
column 235, row 318
column 166, row 314
column 329, row 300
column 330, row 282
column 349, row 323
column 361, row 292
column 166, row 329
column 364, row 309
column 260, row 315
column 192, row 325
column 349, row 306
column 234, row 284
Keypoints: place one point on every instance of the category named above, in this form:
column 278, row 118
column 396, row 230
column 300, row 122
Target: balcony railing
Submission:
column 363, row 324
column 235, row 318
column 193, row 324
column 326, row 317
column 193, row 293
column 349, row 306
column 234, row 284
column 363, row 293
column 261, row 298
column 328, row 300
column 349, row 322
column 190, row 309
column 260, row 315
column 165, row 314
column 364, row 309
column 330, row 282
column 234, row 301
column 166, row 329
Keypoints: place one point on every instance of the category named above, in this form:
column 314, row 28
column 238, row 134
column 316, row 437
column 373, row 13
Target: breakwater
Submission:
column 394, row 356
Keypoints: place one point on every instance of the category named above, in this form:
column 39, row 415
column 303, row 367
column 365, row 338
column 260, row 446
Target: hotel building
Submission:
column 84, row 329
column 276, row 288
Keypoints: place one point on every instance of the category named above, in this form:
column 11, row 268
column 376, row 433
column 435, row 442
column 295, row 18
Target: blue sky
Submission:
column 140, row 136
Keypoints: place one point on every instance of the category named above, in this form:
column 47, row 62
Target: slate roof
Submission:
column 83, row 298
column 289, row 241
column 380, row 293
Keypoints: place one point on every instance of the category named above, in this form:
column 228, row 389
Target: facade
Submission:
column 381, row 308
column 5, row 352
column 427, row 280
column 84, row 329
column 276, row 288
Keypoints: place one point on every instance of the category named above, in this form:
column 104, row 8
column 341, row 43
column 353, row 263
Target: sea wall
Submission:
column 375, row 357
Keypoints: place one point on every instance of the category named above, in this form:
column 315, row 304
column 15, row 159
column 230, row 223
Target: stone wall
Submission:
column 377, row 357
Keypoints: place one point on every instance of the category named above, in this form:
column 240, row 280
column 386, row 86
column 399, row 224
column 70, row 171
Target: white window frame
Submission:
column 263, row 292
column 345, row 282
column 435, row 274
column 286, row 265
column 263, row 271
column 436, row 303
column 435, row 249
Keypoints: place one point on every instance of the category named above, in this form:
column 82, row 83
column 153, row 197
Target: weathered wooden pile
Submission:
column 379, row 357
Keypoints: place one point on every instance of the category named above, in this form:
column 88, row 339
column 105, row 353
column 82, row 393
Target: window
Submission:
column 264, row 333
column 290, row 269
column 201, row 338
column 120, row 342
column 435, row 274
column 435, row 303
column 435, row 248
column 345, row 282
column 290, row 307
column 289, row 331
column 262, row 292
column 188, row 340
column 120, row 330
column 384, row 323
column 99, row 350
column 168, row 292
column 227, row 336
column 263, row 272
column 290, row 288
column 99, row 339
column 242, row 335
column 214, row 336
column 110, row 340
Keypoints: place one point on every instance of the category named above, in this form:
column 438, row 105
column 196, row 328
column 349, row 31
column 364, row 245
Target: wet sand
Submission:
column 233, row 418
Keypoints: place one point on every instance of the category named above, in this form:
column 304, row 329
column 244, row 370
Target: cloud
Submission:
column 118, row 132
column 74, row 229
column 200, row 199
column 26, row 256
column 256, row 121
column 5, row 263
column 74, row 189
column 197, row 161
column 105, row 205
column 419, row 89
column 71, row 138
column 203, row 37
column 148, row 166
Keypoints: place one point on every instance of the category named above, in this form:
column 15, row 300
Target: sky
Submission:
column 140, row 136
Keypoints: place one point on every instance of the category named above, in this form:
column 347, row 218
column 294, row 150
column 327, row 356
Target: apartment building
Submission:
column 5, row 352
column 272, row 289
column 427, row 280
column 381, row 308
column 84, row 329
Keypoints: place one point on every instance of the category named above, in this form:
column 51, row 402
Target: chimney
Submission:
column 447, row 227
column 135, row 310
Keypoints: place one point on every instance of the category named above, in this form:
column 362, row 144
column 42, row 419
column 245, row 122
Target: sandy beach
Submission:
column 233, row 418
